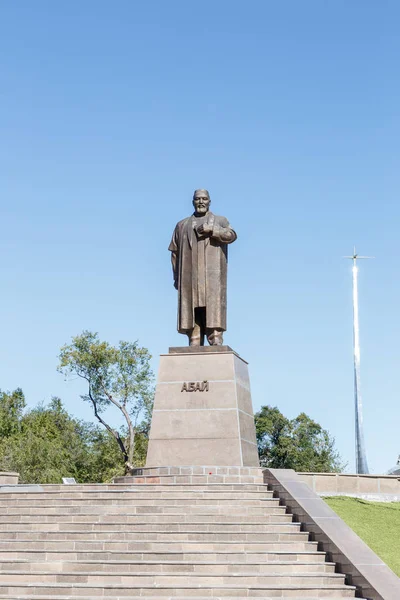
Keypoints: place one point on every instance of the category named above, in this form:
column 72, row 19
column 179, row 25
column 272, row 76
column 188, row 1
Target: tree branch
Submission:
column 113, row 432
column 122, row 408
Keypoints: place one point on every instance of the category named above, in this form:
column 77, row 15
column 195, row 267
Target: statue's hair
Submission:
column 201, row 190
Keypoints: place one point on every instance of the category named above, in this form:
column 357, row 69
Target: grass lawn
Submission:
column 377, row 523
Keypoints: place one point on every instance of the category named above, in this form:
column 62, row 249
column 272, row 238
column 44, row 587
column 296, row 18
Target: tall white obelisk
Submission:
column 361, row 456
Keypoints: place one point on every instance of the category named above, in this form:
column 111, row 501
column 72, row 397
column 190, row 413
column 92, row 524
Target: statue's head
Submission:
column 201, row 202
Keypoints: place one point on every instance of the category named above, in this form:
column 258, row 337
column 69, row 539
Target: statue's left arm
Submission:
column 223, row 232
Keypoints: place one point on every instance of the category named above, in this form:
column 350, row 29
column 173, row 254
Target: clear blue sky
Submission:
column 111, row 113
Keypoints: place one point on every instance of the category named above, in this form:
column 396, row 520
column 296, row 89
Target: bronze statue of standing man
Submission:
column 199, row 248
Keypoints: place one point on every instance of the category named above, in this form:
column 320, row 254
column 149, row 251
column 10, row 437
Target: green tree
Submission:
column 300, row 444
column 116, row 376
column 45, row 444
column 104, row 456
column 12, row 405
column 48, row 445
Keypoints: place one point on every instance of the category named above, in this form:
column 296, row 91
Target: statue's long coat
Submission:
column 184, row 263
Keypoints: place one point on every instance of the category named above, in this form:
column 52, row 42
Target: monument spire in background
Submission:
column 361, row 456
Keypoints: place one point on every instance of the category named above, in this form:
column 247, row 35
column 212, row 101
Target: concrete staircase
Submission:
column 156, row 540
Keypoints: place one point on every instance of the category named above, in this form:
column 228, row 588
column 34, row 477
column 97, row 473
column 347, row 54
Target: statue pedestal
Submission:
column 202, row 412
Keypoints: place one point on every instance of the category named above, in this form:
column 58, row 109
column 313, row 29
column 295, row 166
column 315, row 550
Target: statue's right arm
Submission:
column 173, row 248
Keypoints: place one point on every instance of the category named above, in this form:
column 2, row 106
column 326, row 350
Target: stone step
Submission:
column 133, row 494
column 128, row 566
column 117, row 487
column 254, row 557
column 155, row 546
column 169, row 597
column 177, row 579
column 144, row 501
column 312, row 591
column 274, row 514
column 287, row 533
column 269, row 527
column 207, row 509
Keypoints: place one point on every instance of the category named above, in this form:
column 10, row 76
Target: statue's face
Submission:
column 201, row 203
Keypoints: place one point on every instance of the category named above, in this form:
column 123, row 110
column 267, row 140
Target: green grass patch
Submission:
column 377, row 523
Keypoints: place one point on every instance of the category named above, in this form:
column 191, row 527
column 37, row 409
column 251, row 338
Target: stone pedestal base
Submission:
column 193, row 475
column 202, row 410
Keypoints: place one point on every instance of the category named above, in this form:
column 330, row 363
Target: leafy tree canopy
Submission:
column 117, row 376
column 45, row 444
column 300, row 444
column 11, row 409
